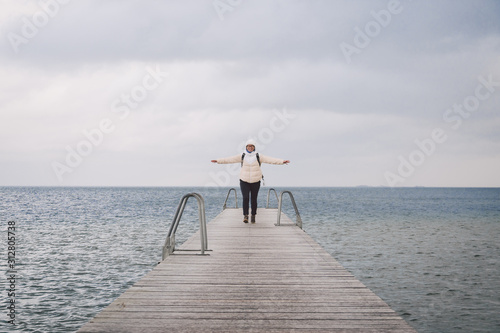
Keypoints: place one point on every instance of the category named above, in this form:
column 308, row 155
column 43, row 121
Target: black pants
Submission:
column 246, row 190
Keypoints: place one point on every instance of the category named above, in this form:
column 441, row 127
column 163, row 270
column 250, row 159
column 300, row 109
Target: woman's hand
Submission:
column 286, row 162
column 213, row 161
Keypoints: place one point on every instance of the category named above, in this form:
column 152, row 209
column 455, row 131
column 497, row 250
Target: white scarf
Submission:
column 250, row 157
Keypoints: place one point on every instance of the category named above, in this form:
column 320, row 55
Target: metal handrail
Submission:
column 268, row 193
column 298, row 220
column 169, row 246
column 227, row 197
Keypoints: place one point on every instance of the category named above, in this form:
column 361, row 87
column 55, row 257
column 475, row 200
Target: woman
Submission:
column 250, row 175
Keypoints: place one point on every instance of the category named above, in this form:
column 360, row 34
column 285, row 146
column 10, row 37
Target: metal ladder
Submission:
column 227, row 197
column 298, row 220
column 268, row 193
column 169, row 247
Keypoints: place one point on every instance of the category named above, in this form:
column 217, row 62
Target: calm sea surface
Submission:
column 433, row 254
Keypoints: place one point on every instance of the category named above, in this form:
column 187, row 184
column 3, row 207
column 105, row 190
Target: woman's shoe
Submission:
column 245, row 219
column 253, row 219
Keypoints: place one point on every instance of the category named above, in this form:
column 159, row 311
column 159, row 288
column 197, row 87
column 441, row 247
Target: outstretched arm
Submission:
column 272, row 160
column 228, row 160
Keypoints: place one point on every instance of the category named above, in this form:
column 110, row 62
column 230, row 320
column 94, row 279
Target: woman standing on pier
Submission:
column 250, row 175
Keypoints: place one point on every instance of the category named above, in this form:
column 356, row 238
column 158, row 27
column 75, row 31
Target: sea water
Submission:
column 433, row 254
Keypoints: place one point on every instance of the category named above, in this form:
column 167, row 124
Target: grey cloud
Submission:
column 226, row 77
column 271, row 30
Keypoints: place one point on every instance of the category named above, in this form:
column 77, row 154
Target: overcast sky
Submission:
column 146, row 93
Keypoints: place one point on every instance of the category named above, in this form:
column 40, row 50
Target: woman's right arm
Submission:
column 228, row 160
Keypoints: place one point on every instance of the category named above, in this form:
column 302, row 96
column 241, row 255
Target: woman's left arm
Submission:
column 272, row 160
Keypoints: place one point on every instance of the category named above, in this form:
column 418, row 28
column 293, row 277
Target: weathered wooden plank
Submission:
column 349, row 304
column 258, row 277
column 140, row 305
column 230, row 297
column 97, row 328
column 237, row 325
column 254, row 315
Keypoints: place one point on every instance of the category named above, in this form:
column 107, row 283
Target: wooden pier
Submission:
column 256, row 278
